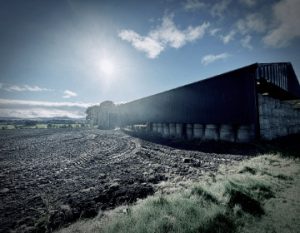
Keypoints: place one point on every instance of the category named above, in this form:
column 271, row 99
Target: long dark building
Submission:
column 261, row 100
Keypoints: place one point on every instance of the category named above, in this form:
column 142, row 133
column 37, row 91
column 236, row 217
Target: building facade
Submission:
column 259, row 101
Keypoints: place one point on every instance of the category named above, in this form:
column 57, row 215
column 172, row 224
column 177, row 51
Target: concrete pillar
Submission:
column 245, row 133
column 298, row 128
column 154, row 127
column 211, row 132
column 227, row 133
column 149, row 127
column 172, row 130
column 283, row 131
column 198, row 131
column 189, row 131
column 179, row 130
column 160, row 128
column 166, row 130
column 293, row 129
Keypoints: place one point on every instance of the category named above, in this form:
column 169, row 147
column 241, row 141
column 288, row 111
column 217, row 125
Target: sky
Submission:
column 58, row 57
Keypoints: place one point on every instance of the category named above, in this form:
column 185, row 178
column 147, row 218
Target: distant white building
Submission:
column 92, row 115
column 104, row 116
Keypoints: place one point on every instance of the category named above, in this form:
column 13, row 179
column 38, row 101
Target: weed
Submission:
column 219, row 223
column 247, row 203
column 160, row 201
column 256, row 188
column 283, row 177
column 249, row 170
column 206, row 195
column 279, row 176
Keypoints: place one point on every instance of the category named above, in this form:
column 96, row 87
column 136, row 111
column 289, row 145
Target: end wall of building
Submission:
column 277, row 118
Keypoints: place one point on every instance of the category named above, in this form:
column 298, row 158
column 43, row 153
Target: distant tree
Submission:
column 29, row 123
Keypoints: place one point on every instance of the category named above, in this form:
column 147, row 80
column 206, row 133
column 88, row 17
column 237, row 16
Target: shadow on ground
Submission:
column 288, row 145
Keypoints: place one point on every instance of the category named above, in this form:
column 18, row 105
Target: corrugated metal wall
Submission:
column 229, row 98
column 281, row 75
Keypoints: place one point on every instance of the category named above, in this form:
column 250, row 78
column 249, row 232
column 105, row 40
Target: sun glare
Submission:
column 107, row 67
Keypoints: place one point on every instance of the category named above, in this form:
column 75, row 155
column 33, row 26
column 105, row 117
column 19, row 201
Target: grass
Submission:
column 247, row 197
column 40, row 126
column 7, row 126
column 174, row 213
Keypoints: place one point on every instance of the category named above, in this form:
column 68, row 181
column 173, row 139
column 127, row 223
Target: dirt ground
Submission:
column 50, row 177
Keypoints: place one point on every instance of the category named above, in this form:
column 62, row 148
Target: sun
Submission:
column 107, row 67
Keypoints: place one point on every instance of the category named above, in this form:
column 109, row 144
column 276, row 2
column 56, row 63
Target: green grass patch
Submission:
column 238, row 198
column 7, row 126
column 41, row 126
column 174, row 213
column 247, row 169
column 206, row 195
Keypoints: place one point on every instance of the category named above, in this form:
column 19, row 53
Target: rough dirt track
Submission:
column 54, row 176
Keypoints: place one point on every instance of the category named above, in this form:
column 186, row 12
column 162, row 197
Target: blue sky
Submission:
column 58, row 57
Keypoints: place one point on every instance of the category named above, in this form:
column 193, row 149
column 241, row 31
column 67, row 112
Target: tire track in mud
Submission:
column 62, row 174
column 62, row 160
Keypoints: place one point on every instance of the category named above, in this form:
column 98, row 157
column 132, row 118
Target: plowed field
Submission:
column 50, row 177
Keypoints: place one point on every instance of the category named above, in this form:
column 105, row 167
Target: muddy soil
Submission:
column 51, row 177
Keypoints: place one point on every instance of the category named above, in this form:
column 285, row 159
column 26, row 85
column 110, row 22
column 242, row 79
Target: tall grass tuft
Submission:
column 206, row 195
column 177, row 213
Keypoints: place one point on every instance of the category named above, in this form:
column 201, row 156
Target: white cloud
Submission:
column 249, row 3
column 229, row 37
column 21, row 88
column 39, row 112
column 193, row 5
column 246, row 42
column 32, row 109
column 165, row 35
column 142, row 43
column 210, row 58
column 219, row 8
column 253, row 22
column 170, row 35
column 286, row 14
column 214, row 31
column 44, row 103
column 68, row 94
